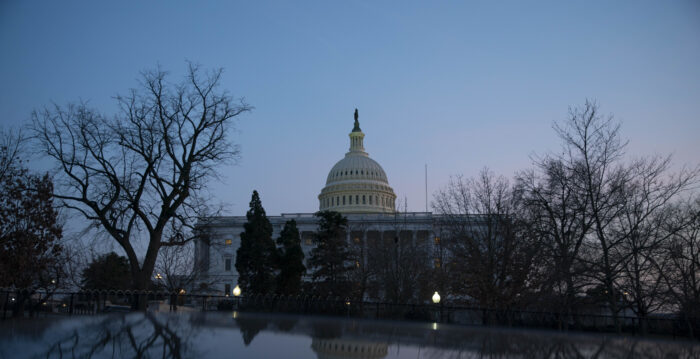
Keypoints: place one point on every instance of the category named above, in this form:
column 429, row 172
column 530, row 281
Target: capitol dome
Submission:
column 357, row 183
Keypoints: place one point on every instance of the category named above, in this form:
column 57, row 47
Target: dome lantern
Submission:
column 357, row 137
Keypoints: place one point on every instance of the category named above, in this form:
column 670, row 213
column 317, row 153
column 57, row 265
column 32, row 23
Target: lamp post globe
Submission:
column 436, row 298
column 236, row 291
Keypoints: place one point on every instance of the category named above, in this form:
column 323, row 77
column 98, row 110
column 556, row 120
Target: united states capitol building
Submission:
column 356, row 186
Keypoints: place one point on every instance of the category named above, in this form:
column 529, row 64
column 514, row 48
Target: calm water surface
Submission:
column 239, row 335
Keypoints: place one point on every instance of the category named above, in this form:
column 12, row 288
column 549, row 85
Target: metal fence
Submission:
column 36, row 303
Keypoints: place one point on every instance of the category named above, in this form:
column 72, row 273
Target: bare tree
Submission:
column 647, row 196
column 141, row 176
column 681, row 270
column 557, row 213
column 620, row 198
column 12, row 143
column 594, row 142
column 490, row 262
column 176, row 270
column 358, row 250
column 398, row 262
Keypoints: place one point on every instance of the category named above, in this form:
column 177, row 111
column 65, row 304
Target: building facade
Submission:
column 356, row 186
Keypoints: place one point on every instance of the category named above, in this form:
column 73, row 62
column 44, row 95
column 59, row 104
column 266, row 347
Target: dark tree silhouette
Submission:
column 177, row 269
column 680, row 264
column 329, row 259
column 141, row 175
column 622, row 200
column 290, row 260
column 30, row 234
column 557, row 212
column 255, row 258
column 108, row 271
column 399, row 266
column 490, row 261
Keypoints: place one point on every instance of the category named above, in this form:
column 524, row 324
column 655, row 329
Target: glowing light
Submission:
column 435, row 326
column 436, row 298
column 236, row 291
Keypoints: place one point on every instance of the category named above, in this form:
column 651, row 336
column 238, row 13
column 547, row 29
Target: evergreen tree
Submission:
column 255, row 258
column 330, row 258
column 108, row 271
column 290, row 259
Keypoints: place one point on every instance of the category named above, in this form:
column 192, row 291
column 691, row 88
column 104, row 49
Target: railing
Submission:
column 26, row 303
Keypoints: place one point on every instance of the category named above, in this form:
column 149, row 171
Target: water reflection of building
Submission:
column 347, row 348
column 356, row 186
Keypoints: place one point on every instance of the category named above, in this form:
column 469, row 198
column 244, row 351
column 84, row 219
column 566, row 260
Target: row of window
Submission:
column 355, row 172
column 336, row 201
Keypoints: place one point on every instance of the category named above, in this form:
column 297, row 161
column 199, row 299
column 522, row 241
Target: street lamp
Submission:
column 236, row 291
column 436, row 298
column 158, row 276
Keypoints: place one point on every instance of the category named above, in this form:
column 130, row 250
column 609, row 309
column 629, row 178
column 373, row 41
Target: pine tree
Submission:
column 330, row 258
column 290, row 259
column 255, row 258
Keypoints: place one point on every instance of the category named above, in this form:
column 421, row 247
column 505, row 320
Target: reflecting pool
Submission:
column 246, row 335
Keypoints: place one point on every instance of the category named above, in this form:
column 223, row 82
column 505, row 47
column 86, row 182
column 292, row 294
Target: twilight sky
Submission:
column 456, row 85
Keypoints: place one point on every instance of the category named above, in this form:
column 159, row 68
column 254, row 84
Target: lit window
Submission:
column 228, row 242
column 437, row 240
column 437, row 262
column 307, row 241
column 357, row 239
column 357, row 264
